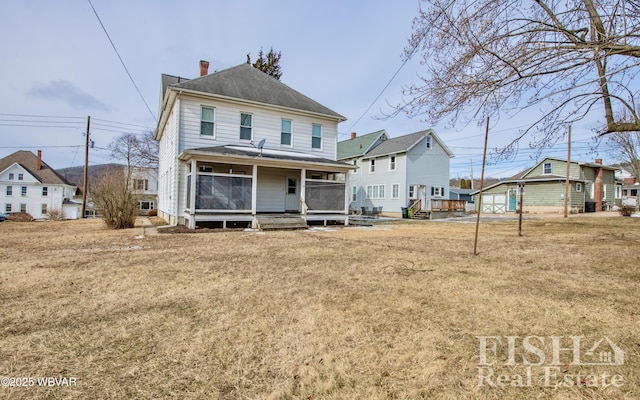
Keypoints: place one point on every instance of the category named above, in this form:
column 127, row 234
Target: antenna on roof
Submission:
column 260, row 145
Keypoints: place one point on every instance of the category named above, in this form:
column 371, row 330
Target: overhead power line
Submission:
column 122, row 62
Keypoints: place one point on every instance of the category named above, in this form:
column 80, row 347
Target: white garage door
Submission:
column 494, row 203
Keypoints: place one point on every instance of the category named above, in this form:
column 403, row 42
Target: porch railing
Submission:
column 416, row 206
column 448, row 205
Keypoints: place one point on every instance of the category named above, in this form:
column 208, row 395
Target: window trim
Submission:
column 544, row 168
column 316, row 137
column 212, row 121
column 12, row 176
column 23, row 207
column 43, row 208
column 45, row 191
column 9, row 191
column 290, row 133
column 439, row 190
column 23, row 191
column 20, row 176
column 354, row 194
column 376, row 194
column 392, row 163
column 8, row 207
column 579, row 187
column 372, row 166
column 395, row 186
column 250, row 127
column 427, row 143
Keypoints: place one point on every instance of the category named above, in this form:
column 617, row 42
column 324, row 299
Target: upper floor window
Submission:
column 316, row 136
column 207, row 121
column 372, row 165
column 24, row 191
column 141, row 184
column 9, row 190
column 392, row 163
column 246, row 126
column 20, row 177
column 546, row 168
column 11, row 176
column 45, row 191
column 578, row 186
column 285, row 132
column 427, row 142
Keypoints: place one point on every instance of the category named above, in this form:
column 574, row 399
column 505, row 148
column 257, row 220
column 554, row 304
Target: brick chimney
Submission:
column 204, row 68
column 597, row 186
column 353, row 135
column 39, row 165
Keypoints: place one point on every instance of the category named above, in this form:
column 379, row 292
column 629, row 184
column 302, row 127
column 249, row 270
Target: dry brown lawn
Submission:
column 391, row 312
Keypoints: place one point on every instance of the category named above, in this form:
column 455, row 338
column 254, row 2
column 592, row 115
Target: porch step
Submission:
column 422, row 214
column 279, row 223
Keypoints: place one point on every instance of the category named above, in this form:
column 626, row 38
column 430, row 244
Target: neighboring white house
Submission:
column 144, row 182
column 392, row 173
column 238, row 143
column 29, row 185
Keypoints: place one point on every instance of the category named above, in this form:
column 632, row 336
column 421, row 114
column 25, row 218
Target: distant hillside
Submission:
column 75, row 175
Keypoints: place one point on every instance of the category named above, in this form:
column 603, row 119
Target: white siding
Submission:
column 266, row 125
column 271, row 190
column 428, row 167
column 168, row 162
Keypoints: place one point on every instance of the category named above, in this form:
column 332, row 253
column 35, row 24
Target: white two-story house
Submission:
column 30, row 186
column 239, row 143
column 393, row 173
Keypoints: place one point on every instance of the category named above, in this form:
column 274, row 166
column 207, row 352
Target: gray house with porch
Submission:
column 239, row 144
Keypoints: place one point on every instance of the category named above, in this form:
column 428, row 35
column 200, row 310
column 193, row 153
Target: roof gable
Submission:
column 29, row 162
column 244, row 82
column 359, row 145
column 405, row 143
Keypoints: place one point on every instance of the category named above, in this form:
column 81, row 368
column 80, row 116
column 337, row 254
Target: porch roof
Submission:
column 239, row 154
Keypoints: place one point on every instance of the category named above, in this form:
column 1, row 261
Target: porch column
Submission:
column 347, row 198
column 254, row 189
column 303, row 190
column 192, row 194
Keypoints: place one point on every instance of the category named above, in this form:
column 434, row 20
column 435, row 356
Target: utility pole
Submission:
column 566, row 184
column 521, row 190
column 85, row 184
column 479, row 210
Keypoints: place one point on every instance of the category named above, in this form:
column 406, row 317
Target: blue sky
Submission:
column 58, row 64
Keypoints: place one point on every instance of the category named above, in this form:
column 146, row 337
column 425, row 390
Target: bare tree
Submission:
column 139, row 151
column 625, row 148
column 487, row 57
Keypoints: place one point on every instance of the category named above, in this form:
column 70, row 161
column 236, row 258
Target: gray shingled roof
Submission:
column 29, row 161
column 244, row 82
column 397, row 145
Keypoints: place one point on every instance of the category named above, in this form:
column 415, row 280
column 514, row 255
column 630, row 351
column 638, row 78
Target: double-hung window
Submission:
column 372, row 165
column 45, row 191
column 9, row 190
column 395, row 191
column 23, row 191
column 546, row 168
column 285, row 132
column 392, row 163
column 207, row 121
column 316, row 136
column 246, row 126
column 375, row 192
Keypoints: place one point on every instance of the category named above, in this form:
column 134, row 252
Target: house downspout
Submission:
column 176, row 189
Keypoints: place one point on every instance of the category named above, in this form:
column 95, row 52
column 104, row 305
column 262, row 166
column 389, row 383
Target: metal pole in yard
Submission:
column 521, row 187
column 566, row 184
column 484, row 160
